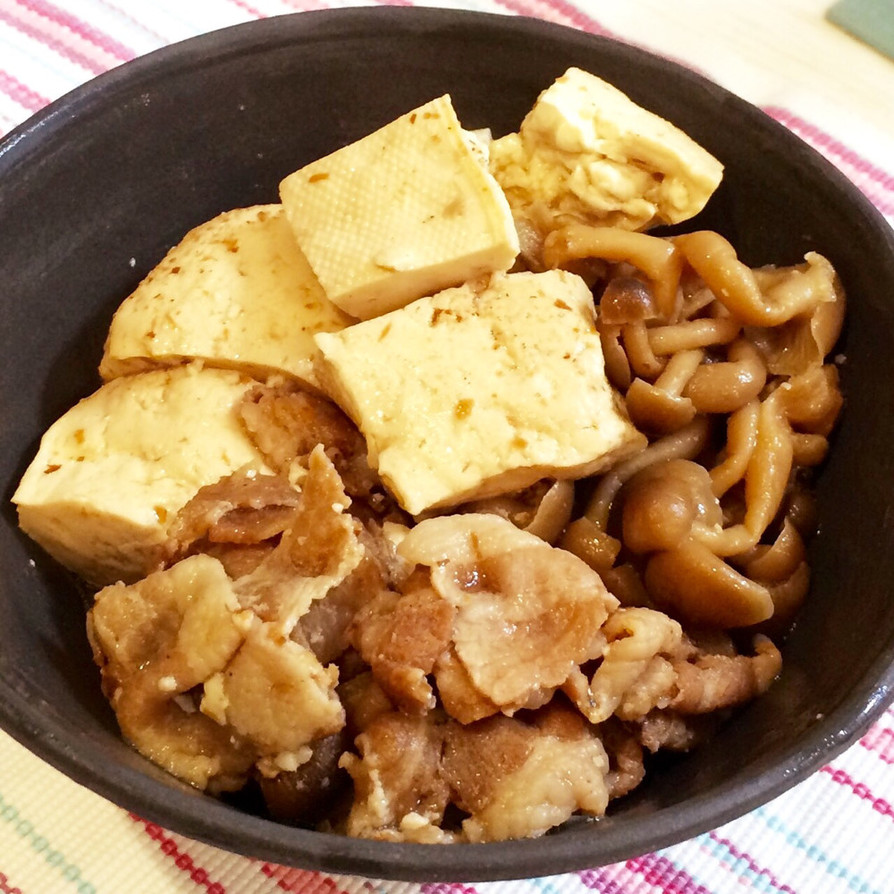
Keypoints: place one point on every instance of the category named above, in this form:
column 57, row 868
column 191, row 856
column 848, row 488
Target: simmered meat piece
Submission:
column 530, row 618
column 173, row 734
column 400, row 636
column 707, row 681
column 275, row 693
column 325, row 627
column 668, row 730
column 399, row 793
column 650, row 665
column 625, row 755
column 527, row 614
column 238, row 520
column 287, row 424
column 305, row 795
column 518, row 779
column 156, row 641
column 244, row 508
column 364, row 700
column 203, row 687
column 459, row 696
column 317, row 552
column 242, row 520
column 632, row 678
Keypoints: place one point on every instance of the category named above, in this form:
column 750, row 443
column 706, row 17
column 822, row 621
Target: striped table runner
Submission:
column 834, row 833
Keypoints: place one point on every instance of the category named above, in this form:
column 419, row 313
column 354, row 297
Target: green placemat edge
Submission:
column 871, row 21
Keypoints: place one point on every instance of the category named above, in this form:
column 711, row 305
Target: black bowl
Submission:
column 94, row 189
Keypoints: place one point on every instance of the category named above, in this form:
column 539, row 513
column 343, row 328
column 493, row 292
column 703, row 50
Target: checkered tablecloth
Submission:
column 833, row 833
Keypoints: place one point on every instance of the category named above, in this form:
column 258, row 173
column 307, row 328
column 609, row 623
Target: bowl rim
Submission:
column 206, row 819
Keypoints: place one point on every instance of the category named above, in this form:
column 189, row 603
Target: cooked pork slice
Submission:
column 666, row 729
column 275, row 693
column 401, row 636
column 363, row 700
column 634, row 676
column 399, row 794
column 245, row 509
column 708, row 682
column 326, row 626
column 459, row 695
column 527, row 614
column 519, row 779
column 158, row 641
column 287, row 424
column 318, row 551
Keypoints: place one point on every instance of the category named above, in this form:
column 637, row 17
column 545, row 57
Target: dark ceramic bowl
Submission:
column 93, row 191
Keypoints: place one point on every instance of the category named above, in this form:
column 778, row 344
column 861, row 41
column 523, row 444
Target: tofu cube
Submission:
column 402, row 213
column 111, row 473
column 235, row 292
column 478, row 391
column 586, row 153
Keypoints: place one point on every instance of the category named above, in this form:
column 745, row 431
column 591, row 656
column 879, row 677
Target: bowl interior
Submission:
column 95, row 189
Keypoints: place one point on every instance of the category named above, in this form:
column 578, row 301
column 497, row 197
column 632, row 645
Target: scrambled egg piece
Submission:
column 586, row 153
column 480, row 390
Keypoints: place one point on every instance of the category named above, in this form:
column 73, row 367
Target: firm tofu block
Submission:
column 586, row 153
column 475, row 392
column 111, row 473
column 402, row 213
column 235, row 292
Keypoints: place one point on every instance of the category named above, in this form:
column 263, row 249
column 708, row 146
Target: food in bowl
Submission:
column 452, row 566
